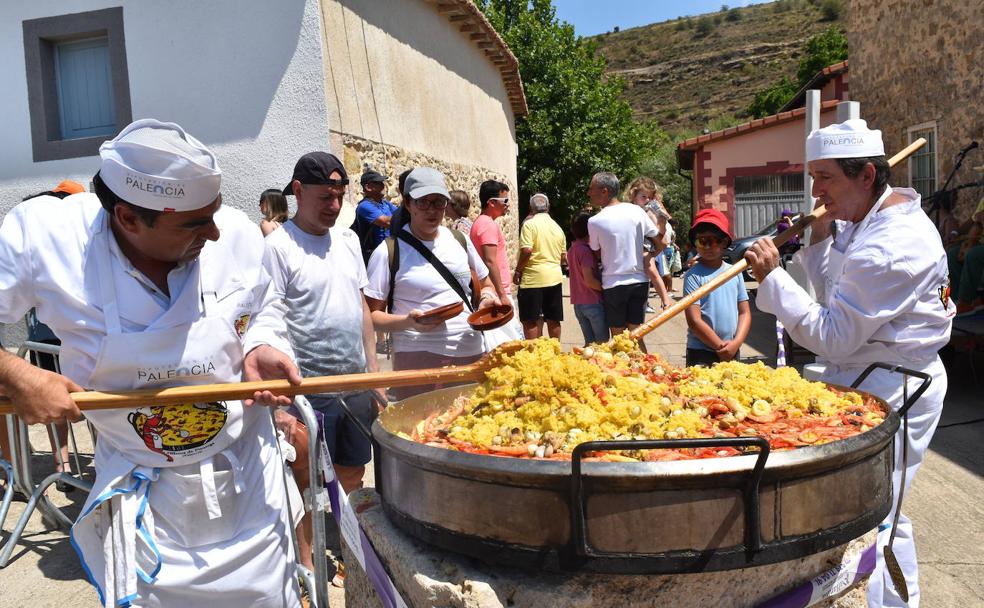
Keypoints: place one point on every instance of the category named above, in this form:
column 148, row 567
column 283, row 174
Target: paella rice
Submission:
column 539, row 402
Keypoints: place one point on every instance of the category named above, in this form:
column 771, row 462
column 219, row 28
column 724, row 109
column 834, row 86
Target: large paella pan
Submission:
column 611, row 500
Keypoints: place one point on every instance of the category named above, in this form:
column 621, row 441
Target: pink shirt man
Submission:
column 485, row 231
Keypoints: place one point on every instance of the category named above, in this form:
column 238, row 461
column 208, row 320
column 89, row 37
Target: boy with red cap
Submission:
column 718, row 322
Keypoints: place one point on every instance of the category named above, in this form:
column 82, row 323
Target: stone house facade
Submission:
column 918, row 70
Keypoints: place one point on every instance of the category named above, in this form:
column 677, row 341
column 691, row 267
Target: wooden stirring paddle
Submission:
column 97, row 400
column 738, row 267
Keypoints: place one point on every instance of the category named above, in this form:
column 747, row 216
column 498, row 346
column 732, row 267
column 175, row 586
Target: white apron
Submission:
column 188, row 504
column 923, row 418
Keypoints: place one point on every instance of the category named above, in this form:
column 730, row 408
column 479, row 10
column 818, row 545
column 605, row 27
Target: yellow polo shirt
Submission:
column 542, row 234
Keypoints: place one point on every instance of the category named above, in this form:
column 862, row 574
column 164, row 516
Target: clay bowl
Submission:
column 442, row 313
column 491, row 317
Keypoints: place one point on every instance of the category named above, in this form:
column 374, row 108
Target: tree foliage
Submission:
column 578, row 121
column 768, row 101
column 826, row 48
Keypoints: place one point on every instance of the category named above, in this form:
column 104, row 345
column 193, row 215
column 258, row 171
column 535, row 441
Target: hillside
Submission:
column 683, row 78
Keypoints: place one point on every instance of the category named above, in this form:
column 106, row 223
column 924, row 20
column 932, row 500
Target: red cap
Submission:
column 714, row 218
column 69, row 186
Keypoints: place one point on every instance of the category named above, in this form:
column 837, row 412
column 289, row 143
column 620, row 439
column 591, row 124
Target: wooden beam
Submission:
column 485, row 44
column 459, row 17
column 479, row 36
column 468, row 27
column 445, row 7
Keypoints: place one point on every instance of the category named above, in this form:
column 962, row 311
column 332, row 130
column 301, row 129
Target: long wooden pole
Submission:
column 739, row 266
column 96, row 400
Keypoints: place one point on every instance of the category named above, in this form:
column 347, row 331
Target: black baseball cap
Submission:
column 315, row 168
column 371, row 176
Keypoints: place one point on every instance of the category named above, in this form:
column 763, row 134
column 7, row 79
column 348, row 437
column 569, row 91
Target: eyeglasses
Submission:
column 708, row 241
column 502, row 201
column 424, row 204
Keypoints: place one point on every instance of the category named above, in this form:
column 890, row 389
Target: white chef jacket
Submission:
column 61, row 257
column 44, row 248
column 882, row 296
column 890, row 301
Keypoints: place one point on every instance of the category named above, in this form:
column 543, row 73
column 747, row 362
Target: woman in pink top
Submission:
column 586, row 284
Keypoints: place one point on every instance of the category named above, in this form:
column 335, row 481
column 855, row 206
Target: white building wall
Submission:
column 246, row 77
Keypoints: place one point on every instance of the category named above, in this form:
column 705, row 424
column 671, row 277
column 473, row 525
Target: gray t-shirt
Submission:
column 318, row 281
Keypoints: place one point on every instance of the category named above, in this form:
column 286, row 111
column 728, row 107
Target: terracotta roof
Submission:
column 821, row 78
column 687, row 148
column 470, row 21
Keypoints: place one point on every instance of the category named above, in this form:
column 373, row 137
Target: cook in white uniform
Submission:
column 187, row 508
column 880, row 276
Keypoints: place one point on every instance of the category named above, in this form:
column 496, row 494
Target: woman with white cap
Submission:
column 402, row 291
column 882, row 296
column 187, row 507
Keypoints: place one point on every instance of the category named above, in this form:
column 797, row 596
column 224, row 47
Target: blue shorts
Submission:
column 346, row 443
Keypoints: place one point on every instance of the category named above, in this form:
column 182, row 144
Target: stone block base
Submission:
column 427, row 576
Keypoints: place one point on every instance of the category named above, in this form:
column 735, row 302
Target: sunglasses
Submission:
column 424, row 204
column 502, row 201
column 708, row 241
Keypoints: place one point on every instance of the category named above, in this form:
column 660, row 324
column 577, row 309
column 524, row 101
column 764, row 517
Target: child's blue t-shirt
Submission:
column 719, row 309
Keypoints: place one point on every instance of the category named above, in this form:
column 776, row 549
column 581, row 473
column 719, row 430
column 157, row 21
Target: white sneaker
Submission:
column 649, row 309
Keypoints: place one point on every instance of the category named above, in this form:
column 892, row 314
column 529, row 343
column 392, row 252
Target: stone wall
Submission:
column 357, row 152
column 919, row 61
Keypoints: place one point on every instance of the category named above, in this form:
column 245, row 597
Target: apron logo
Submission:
column 178, row 428
column 241, row 324
column 158, row 374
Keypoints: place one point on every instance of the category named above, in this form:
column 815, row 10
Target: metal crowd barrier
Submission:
column 19, row 469
column 319, row 499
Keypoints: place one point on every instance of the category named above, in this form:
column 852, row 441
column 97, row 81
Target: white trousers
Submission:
column 923, row 418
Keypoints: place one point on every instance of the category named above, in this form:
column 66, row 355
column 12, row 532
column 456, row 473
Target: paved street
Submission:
column 944, row 503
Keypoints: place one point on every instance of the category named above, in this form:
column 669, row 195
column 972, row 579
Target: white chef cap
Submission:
column 849, row 139
column 156, row 165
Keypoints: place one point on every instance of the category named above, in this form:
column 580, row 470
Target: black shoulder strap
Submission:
column 394, row 263
column 438, row 265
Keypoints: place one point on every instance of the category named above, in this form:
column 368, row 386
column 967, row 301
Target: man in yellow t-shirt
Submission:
column 542, row 253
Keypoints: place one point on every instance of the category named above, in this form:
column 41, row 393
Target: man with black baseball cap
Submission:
column 317, row 286
column 374, row 213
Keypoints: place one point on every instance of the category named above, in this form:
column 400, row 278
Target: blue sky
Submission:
column 591, row 17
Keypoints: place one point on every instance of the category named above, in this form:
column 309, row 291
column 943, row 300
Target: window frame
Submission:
column 41, row 36
column 912, row 133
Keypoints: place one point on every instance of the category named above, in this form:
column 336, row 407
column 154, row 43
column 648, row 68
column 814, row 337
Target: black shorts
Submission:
column 346, row 443
column 626, row 304
column 536, row 302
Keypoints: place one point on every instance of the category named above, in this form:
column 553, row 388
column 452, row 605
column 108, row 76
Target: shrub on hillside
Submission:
column 733, row 15
column 831, row 9
column 704, row 27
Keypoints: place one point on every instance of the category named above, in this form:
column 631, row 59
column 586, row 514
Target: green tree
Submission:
column 768, row 101
column 578, row 121
column 826, row 48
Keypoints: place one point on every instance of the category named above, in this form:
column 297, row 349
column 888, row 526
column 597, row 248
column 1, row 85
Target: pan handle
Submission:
column 579, row 545
column 926, row 380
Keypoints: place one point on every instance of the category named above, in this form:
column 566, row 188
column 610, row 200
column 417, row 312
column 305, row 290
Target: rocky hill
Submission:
column 690, row 72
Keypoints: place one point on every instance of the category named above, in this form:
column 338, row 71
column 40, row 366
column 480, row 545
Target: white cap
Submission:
column 423, row 181
column 156, row 165
column 849, row 139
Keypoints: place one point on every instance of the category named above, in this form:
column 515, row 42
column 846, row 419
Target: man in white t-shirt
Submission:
column 617, row 233
column 318, row 277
